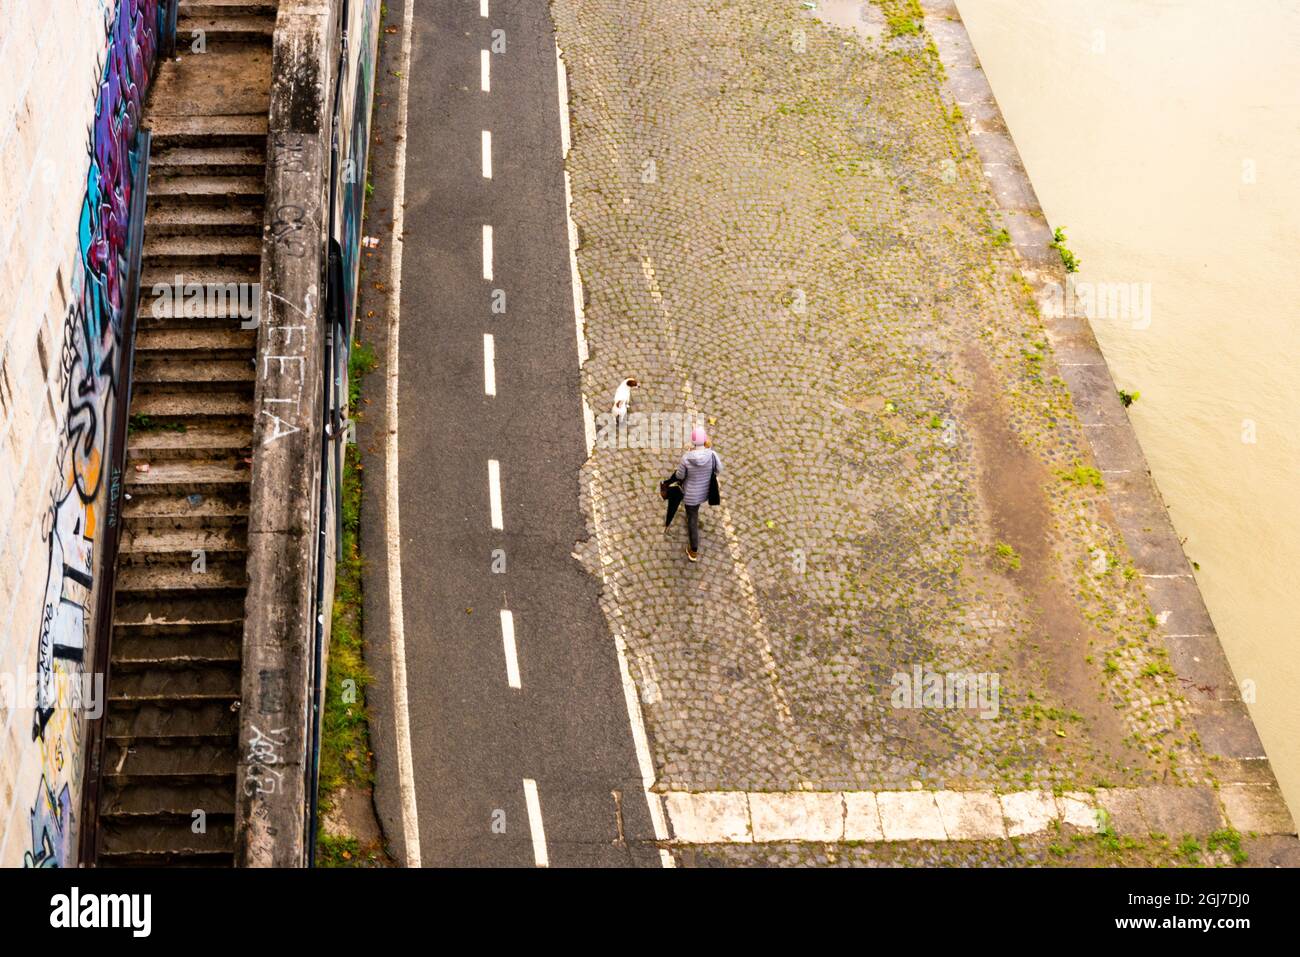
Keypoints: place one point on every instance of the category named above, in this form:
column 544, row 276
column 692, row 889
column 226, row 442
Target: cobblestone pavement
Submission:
column 783, row 230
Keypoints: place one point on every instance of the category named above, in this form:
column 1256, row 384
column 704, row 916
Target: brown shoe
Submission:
column 693, row 556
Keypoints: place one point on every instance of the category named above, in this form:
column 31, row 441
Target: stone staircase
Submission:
column 171, row 726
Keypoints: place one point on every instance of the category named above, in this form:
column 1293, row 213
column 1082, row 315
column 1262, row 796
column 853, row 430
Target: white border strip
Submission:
column 757, row 817
column 829, row 817
column 392, row 511
column 640, row 741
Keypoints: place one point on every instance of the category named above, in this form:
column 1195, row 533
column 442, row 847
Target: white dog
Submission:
column 622, row 399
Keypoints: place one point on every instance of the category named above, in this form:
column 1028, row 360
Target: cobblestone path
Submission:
column 784, row 232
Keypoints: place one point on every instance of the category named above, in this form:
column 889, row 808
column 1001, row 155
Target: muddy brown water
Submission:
column 1163, row 135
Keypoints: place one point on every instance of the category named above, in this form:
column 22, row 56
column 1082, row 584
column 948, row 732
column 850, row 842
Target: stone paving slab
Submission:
column 738, row 817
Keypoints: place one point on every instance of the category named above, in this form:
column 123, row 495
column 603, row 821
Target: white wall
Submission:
column 52, row 57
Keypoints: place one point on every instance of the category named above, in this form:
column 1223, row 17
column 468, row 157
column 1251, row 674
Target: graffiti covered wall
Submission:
column 352, row 124
column 48, row 696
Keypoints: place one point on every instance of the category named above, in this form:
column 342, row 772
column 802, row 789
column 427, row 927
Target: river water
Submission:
column 1164, row 135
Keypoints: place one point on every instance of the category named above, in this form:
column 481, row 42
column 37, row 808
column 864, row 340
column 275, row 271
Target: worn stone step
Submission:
column 213, row 8
column 122, row 799
column 145, row 760
column 205, row 190
column 196, row 441
column 214, row 721
column 199, row 297
column 204, row 861
column 208, row 161
column 219, row 29
column 189, row 685
column 190, row 510
column 196, row 131
column 158, row 840
column 203, row 221
column 205, row 279
column 177, row 617
column 142, row 545
column 188, row 476
column 166, row 406
column 176, row 651
column 226, row 342
column 224, row 578
column 230, row 291
column 181, row 252
column 158, row 374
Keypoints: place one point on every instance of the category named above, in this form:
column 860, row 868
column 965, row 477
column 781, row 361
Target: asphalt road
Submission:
column 475, row 738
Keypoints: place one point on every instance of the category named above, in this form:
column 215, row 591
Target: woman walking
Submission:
column 697, row 472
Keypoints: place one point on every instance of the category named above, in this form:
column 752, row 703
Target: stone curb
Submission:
column 830, row 817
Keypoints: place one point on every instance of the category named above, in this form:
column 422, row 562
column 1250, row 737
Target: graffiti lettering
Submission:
column 89, row 370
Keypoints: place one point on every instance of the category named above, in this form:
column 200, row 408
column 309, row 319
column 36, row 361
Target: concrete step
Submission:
column 168, row 406
column 224, row 29
column 203, row 221
column 171, row 685
column 177, row 618
column 212, row 721
column 136, row 861
column 197, row 441
column 160, row 581
column 143, row 545
column 205, row 190
column 226, row 342
column 157, row 374
column 191, row 510
column 182, row 252
column 211, row 476
column 125, row 800
column 160, row 842
column 183, row 285
column 203, row 131
column 209, row 161
column 199, row 296
column 147, row 760
column 176, row 651
column 214, row 8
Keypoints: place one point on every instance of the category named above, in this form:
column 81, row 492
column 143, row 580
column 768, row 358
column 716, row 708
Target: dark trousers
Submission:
column 693, row 526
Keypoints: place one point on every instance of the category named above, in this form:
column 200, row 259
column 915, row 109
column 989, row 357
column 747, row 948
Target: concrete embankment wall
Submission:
column 322, row 77
column 1247, row 786
column 76, row 76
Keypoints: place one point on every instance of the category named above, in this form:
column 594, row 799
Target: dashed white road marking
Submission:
column 485, row 71
column 494, row 493
column 392, row 514
column 489, row 365
column 487, row 252
column 535, row 823
column 482, row 8
column 512, row 654
column 487, row 154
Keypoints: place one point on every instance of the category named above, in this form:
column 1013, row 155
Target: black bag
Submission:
column 715, row 494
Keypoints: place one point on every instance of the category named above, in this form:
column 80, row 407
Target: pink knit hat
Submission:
column 699, row 436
